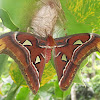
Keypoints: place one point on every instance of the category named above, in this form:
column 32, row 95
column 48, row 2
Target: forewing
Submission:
column 24, row 49
column 70, row 52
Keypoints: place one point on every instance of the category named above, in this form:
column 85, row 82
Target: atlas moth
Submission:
column 31, row 52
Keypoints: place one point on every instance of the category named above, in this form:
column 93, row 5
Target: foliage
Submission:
column 83, row 93
column 82, row 16
column 95, row 83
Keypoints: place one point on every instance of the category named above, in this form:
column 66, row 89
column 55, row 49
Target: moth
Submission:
column 31, row 53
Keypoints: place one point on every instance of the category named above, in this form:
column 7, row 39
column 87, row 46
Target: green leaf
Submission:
column 58, row 91
column 82, row 15
column 12, row 92
column 7, row 21
column 3, row 63
column 23, row 94
column 48, row 73
column 59, row 94
column 47, row 86
column 16, row 74
column 37, row 97
column 45, row 91
column 20, row 12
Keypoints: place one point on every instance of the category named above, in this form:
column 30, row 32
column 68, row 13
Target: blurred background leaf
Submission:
column 18, row 14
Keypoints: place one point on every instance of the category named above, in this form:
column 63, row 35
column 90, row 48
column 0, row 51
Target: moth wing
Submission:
column 69, row 54
column 24, row 49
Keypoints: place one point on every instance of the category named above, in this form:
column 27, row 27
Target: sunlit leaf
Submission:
column 12, row 92
column 7, row 21
column 48, row 73
column 3, row 63
column 20, row 12
column 16, row 74
column 59, row 94
column 23, row 94
column 82, row 16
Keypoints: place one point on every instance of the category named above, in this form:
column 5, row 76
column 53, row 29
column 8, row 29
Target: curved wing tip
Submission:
column 64, row 87
column 34, row 92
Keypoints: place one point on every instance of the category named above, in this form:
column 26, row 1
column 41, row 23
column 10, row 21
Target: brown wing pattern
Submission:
column 31, row 53
column 24, row 49
column 70, row 52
